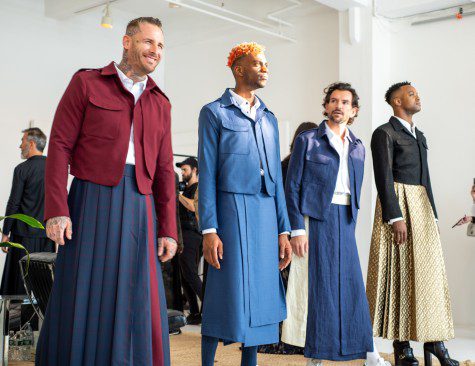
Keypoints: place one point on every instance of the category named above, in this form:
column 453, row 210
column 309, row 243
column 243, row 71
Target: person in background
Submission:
column 191, row 254
column 407, row 284
column 26, row 197
column 281, row 347
column 469, row 219
column 171, row 269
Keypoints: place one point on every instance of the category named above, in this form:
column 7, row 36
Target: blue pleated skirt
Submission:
column 338, row 321
column 244, row 301
column 107, row 306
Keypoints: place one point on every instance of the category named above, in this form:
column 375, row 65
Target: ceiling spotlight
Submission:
column 174, row 5
column 106, row 21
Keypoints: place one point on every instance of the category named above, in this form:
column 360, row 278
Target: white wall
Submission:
column 439, row 58
column 197, row 74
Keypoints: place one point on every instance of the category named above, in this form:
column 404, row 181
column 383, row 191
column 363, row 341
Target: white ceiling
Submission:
column 185, row 25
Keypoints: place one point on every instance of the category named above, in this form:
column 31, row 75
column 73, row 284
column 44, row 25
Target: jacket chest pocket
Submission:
column 317, row 168
column 405, row 145
column 102, row 118
column 235, row 138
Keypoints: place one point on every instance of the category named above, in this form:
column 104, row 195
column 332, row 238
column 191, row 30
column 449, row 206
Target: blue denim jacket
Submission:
column 312, row 174
column 228, row 157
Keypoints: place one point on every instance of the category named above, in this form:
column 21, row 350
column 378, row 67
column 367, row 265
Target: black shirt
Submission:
column 27, row 197
column 187, row 217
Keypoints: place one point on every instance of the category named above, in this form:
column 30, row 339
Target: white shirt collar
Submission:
column 407, row 125
column 128, row 81
column 332, row 134
column 244, row 102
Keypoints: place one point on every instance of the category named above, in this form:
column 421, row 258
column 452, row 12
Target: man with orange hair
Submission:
column 243, row 213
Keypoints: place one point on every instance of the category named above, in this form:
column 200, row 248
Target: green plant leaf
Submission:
column 26, row 219
column 2, row 217
column 9, row 244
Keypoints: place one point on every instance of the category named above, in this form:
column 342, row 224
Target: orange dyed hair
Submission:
column 243, row 49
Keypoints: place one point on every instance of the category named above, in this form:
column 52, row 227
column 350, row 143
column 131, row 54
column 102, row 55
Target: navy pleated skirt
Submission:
column 107, row 306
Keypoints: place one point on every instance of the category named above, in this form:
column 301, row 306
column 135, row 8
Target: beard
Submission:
column 25, row 152
column 339, row 121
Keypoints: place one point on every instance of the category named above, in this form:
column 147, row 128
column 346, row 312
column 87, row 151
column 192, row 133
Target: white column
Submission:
column 366, row 65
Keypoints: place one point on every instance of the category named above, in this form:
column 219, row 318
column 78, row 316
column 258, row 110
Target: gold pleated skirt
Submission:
column 407, row 286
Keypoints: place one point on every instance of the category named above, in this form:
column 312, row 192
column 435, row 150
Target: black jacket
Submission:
column 398, row 157
column 27, row 197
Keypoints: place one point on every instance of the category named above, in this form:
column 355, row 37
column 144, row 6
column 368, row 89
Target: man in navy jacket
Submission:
column 242, row 213
column 323, row 189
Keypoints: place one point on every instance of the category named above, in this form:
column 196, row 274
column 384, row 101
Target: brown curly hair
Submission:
column 341, row 86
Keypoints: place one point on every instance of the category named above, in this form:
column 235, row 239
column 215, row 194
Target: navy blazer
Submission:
column 312, row 174
column 228, row 157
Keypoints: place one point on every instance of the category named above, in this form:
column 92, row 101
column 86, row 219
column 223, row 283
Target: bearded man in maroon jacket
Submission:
column 112, row 130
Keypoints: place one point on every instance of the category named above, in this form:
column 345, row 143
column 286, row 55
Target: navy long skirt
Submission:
column 338, row 321
column 107, row 306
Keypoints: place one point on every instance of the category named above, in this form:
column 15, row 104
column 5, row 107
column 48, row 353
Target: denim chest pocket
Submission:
column 317, row 167
column 103, row 117
column 235, row 137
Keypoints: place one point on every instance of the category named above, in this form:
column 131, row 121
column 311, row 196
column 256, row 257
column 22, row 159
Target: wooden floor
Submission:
column 185, row 351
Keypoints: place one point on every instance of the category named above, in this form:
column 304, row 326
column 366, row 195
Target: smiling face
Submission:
column 339, row 107
column 144, row 48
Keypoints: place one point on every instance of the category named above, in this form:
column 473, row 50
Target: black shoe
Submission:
column 193, row 319
column 403, row 355
column 438, row 350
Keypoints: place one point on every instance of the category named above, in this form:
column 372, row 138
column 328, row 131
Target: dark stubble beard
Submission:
column 342, row 121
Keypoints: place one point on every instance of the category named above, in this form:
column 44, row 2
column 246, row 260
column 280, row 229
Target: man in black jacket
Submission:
column 192, row 247
column 407, row 284
column 26, row 197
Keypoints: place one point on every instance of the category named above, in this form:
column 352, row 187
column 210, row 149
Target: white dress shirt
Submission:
column 245, row 106
column 136, row 89
column 408, row 126
column 341, row 146
column 342, row 186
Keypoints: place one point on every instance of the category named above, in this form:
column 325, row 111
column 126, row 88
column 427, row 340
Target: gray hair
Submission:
column 37, row 136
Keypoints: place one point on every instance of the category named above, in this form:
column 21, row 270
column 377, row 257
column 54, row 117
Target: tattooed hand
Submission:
column 166, row 248
column 57, row 227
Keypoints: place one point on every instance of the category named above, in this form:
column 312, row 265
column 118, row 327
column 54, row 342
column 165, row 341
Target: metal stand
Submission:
column 5, row 302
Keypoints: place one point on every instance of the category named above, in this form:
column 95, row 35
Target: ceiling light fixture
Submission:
column 106, row 21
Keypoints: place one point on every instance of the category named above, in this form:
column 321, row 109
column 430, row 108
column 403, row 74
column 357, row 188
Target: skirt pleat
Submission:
column 407, row 285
